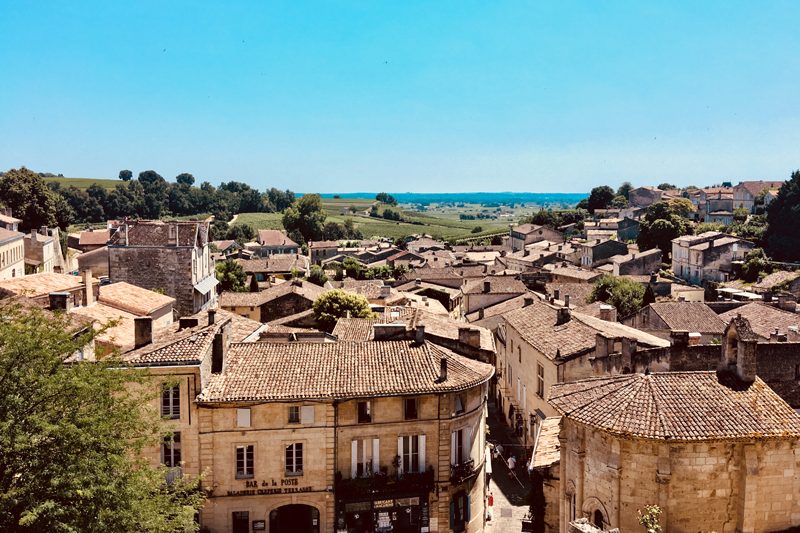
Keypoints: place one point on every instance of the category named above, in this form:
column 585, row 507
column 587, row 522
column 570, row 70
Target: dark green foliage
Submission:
column 241, row 233
column 30, row 199
column 386, row 198
column 783, row 215
column 70, row 435
column 231, row 276
column 555, row 219
column 497, row 240
column 476, row 229
column 125, row 175
column 185, row 179
column 619, row 202
column 625, row 189
column 756, row 263
column 333, row 231
column 624, row 294
column 600, row 198
column 218, row 230
column 305, row 218
column 336, row 304
column 753, row 229
column 317, row 276
column 391, row 214
column 661, row 224
column 666, row 186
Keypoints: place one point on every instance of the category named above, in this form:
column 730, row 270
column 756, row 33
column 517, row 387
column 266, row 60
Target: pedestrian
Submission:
column 499, row 450
column 512, row 464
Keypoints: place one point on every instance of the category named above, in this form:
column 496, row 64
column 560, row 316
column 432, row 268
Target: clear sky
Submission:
column 428, row 96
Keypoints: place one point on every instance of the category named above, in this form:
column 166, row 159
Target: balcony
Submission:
column 463, row 472
column 384, row 485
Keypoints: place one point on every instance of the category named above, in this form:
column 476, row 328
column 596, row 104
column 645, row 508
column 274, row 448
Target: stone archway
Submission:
column 594, row 510
column 294, row 518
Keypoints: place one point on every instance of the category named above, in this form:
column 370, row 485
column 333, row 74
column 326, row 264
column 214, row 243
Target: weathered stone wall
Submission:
column 778, row 363
column 289, row 304
column 168, row 269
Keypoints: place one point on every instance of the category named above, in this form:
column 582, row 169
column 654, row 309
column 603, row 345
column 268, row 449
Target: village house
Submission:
column 272, row 241
column 40, row 251
column 173, row 257
column 96, row 261
column 88, row 240
column 565, row 273
column 621, row 229
column 746, row 192
column 636, row 263
column 679, row 440
column 275, row 266
column 644, row 196
column 531, row 233
column 71, row 290
column 278, row 301
column 766, row 320
column 708, row 256
column 663, row 318
column 542, row 344
column 12, row 254
column 321, row 436
column 489, row 291
column 425, row 244
column 598, row 252
column 228, row 248
column 450, row 298
column 319, row 251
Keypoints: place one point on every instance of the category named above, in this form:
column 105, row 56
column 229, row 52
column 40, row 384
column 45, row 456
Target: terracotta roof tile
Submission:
column 677, row 406
column 764, row 319
column 276, row 263
column 94, row 238
column 261, row 371
column 273, row 237
column 548, row 450
column 689, row 316
column 133, row 299
column 497, row 285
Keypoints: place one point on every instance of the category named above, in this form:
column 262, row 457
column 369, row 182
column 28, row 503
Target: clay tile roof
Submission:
column 503, row 307
column 526, row 228
column 497, row 285
column 677, row 406
column 763, row 319
column 323, row 244
column 776, row 279
column 133, row 299
column 276, row 263
column 689, row 316
column 121, row 334
column 9, row 220
column 34, row 285
column 273, row 237
column 188, row 346
column 537, row 325
column 94, row 238
column 157, row 233
column 755, row 187
column 355, row 329
column 262, row 372
column 224, row 244
column 8, row 235
column 579, row 293
column 569, row 271
column 547, row 450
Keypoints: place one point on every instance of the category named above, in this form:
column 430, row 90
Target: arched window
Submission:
column 597, row 519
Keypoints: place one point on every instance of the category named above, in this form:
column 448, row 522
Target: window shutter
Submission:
column 467, row 443
column 453, row 444
column 376, row 452
column 400, row 452
column 452, row 514
column 307, row 414
column 353, row 459
column 524, row 397
column 243, row 417
column 422, row 465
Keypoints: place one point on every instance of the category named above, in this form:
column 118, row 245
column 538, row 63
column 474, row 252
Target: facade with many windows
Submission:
column 321, row 437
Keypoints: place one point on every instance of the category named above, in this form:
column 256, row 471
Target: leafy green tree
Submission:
column 753, row 229
column 661, row 224
column 279, row 200
column 476, row 229
column 125, row 175
column 305, row 217
column 625, row 189
column 682, row 207
column 231, row 276
column 386, row 198
column 336, row 304
column 71, row 436
column 185, row 179
column 241, row 233
column 218, row 230
column 624, row 294
column 755, row 263
column 783, row 216
column 619, row 202
column 29, row 197
column 352, row 268
column 317, row 276
column 600, row 198
column 666, row 186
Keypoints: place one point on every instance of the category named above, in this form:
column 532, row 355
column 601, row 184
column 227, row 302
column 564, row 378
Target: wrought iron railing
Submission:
column 383, row 484
column 463, row 471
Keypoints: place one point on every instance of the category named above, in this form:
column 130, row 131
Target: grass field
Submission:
column 85, row 183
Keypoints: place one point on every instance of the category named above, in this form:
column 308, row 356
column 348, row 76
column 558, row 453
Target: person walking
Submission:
column 512, row 464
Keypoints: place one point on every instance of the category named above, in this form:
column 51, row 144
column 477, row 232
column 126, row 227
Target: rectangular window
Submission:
column 294, row 414
column 240, row 521
column 294, row 459
column 460, row 402
column 365, row 457
column 411, row 454
column 410, row 409
column 243, row 417
column 460, row 445
column 171, row 401
column 171, row 450
column 244, row 461
column 519, row 353
column 540, row 381
column 364, row 412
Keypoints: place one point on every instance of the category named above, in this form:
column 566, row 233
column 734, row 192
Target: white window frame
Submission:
column 248, row 456
column 409, row 448
column 293, row 459
column 171, row 450
column 364, row 457
column 171, row 402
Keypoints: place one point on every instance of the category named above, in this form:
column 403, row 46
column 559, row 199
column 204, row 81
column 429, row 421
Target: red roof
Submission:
column 273, row 237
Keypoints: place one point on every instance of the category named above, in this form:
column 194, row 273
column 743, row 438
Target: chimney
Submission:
column 566, row 301
column 608, row 313
column 297, row 282
column 767, row 297
column 487, row 286
column 443, row 369
column 694, row 338
column 142, row 331
column 600, row 345
column 88, row 287
column 60, row 301
column 527, row 301
column 212, row 315
column 469, row 336
column 556, row 294
column 564, row 316
column 480, row 313
column 417, row 282
column 419, row 334
column 787, row 302
column 187, row 322
column 34, row 233
column 679, row 338
column 218, row 349
column 386, row 291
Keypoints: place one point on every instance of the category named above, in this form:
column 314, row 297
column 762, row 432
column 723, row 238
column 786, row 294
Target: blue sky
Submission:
column 404, row 96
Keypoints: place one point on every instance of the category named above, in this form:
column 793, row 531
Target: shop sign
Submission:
column 272, row 486
column 259, row 525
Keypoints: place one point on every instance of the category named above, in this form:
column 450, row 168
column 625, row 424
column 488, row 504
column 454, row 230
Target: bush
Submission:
column 333, row 305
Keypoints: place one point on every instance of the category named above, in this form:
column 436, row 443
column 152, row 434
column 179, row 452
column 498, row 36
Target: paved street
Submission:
column 510, row 503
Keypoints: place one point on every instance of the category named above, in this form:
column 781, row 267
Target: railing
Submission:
column 383, row 484
column 463, row 471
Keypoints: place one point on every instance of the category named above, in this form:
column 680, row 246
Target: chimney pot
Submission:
column 187, row 322
column 443, row 369
column 212, row 315
column 218, row 350
column 487, row 286
column 527, row 301
column 88, row 287
column 566, row 301
column 419, row 334
column 564, row 316
column 60, row 301
column 142, row 331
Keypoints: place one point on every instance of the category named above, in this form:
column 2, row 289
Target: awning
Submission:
column 205, row 286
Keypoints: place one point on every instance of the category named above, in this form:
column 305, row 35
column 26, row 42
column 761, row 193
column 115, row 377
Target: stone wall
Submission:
column 778, row 364
column 286, row 305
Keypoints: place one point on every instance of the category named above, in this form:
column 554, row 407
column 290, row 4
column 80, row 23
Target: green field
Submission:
column 85, row 183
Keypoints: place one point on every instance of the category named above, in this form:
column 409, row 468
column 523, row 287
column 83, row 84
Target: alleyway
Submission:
column 510, row 504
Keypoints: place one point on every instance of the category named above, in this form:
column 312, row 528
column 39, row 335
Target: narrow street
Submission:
column 510, row 493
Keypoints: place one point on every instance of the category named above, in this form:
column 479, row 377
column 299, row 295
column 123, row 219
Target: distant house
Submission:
column 88, row 240
column 96, row 261
column 708, row 256
column 644, row 196
column 637, row 263
column 489, row 291
column 425, row 244
column 12, row 254
column 764, row 319
column 565, row 273
column 621, row 229
column 7, row 221
column 599, row 252
column 272, row 241
column 531, row 233
column 278, row 301
column 40, row 252
column 282, row 266
column 227, row 247
column 319, row 251
column 662, row 318
column 746, row 192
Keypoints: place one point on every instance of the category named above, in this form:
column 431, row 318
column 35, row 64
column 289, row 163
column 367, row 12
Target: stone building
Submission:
column 40, row 252
column 321, row 436
column 531, row 233
column 716, row 450
column 278, row 301
column 662, row 318
column 637, row 263
column 272, row 241
column 173, row 257
column 708, row 256
column 489, row 291
column 746, row 192
column 12, row 254
column 599, row 252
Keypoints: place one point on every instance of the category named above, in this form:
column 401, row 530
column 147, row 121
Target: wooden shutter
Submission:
column 422, row 466
column 453, row 444
column 376, row 452
column 400, row 452
column 353, row 459
column 307, row 414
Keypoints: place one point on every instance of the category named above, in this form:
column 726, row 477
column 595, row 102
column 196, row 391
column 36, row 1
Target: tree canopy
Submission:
column 29, row 197
column 783, row 217
column 70, row 435
column 386, row 198
column 625, row 189
column 305, row 218
column 335, row 304
column 125, row 175
column 231, row 276
column 661, row 224
column 624, row 294
column 600, row 198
